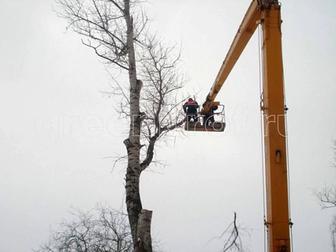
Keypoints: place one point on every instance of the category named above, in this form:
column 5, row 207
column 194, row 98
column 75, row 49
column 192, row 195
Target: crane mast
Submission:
column 266, row 13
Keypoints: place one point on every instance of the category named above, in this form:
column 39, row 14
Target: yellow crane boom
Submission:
column 245, row 32
column 267, row 14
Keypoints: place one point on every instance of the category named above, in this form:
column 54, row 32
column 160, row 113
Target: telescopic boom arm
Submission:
column 245, row 32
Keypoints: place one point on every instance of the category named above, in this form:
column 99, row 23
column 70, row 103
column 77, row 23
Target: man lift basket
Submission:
column 211, row 121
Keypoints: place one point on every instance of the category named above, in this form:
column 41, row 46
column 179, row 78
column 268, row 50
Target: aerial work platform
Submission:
column 212, row 122
column 198, row 126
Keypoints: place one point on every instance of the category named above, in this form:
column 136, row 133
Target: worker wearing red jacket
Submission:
column 190, row 108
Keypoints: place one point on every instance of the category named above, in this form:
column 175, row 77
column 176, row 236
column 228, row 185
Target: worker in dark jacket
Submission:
column 209, row 118
column 190, row 108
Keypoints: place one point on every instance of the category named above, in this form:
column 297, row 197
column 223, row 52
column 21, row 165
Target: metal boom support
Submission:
column 267, row 14
column 275, row 133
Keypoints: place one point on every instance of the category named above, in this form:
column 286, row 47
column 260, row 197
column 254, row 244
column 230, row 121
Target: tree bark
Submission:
column 144, row 242
column 133, row 200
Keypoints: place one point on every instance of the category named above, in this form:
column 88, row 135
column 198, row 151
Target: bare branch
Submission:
column 158, row 71
column 102, row 25
column 231, row 236
column 233, row 241
column 117, row 5
column 101, row 229
column 327, row 197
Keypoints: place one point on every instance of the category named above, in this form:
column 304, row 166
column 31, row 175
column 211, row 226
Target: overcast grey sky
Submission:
column 57, row 129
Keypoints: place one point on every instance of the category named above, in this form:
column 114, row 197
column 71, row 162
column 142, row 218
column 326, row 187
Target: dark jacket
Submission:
column 190, row 107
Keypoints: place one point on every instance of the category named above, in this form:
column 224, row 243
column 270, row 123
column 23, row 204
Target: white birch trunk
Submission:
column 133, row 200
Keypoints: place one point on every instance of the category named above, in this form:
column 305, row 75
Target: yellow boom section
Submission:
column 245, row 32
column 274, row 111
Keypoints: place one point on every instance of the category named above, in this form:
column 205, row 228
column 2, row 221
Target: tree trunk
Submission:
column 144, row 243
column 133, row 200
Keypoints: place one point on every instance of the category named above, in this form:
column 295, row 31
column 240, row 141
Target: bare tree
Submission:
column 327, row 198
column 116, row 30
column 99, row 230
column 231, row 237
column 233, row 240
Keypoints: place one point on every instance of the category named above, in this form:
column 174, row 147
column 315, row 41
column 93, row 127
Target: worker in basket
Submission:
column 190, row 108
column 209, row 118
